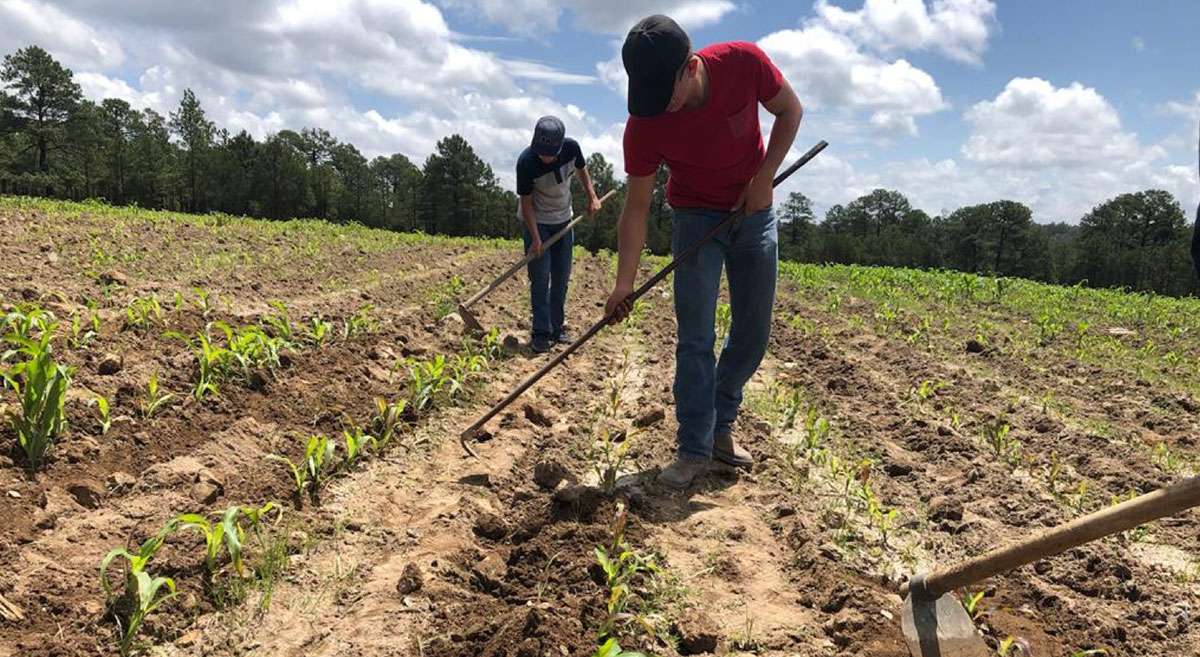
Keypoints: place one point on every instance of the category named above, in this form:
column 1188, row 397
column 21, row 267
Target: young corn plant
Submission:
column 611, row 446
column 611, row 648
column 724, row 319
column 256, row 515
column 388, row 418
column 203, row 301
column 27, row 323
column 356, row 443
column 225, row 532
column 212, row 363
column 155, row 399
column 143, row 314
column 623, row 570
column 41, row 385
column 281, row 323
column 83, row 332
column 970, row 602
column 318, row 457
column 102, row 411
column 142, row 592
column 360, row 323
column 319, row 331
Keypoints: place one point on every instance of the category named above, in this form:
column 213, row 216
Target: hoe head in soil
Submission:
column 935, row 624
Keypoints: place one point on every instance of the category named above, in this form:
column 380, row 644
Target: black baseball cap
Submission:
column 548, row 136
column 654, row 51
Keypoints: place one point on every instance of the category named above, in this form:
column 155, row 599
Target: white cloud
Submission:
column 1139, row 44
column 1032, row 123
column 76, row 44
column 828, row 70
column 957, row 28
column 535, row 18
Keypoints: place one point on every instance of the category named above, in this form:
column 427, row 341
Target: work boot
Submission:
column 727, row 451
column 540, row 344
column 563, row 338
column 681, row 473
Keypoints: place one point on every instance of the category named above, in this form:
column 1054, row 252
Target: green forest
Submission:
column 55, row 143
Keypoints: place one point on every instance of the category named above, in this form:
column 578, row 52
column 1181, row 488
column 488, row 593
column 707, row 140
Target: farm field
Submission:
column 278, row 439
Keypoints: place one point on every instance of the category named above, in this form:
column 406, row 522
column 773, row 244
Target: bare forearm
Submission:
column 586, row 179
column 783, row 133
column 631, row 237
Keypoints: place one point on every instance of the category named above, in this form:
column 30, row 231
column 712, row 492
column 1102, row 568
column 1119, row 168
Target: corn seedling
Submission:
column 82, row 333
column 143, row 313
column 1076, row 498
column 611, row 648
column 1013, row 646
column 971, row 602
column 360, row 323
column 203, row 301
column 281, row 323
column 102, row 410
column 299, row 474
column 318, row 331
column 612, row 447
column 155, row 399
column 620, row 565
column 356, row 443
column 211, row 363
column 140, row 589
column 1166, row 458
column 744, row 638
column 25, row 323
column 927, row 390
column 256, row 515
column 997, row 435
column 724, row 318
column 41, row 385
column 388, row 418
column 177, row 302
column 225, row 532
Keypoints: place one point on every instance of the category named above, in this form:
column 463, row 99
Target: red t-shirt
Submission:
column 712, row 152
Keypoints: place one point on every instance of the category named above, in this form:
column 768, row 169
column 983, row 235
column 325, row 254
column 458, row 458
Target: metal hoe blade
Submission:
column 469, row 319
column 939, row 627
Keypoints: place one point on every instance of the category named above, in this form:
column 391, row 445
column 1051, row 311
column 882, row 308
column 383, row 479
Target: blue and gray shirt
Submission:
column 549, row 184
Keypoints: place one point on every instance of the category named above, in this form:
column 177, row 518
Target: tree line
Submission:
column 55, row 143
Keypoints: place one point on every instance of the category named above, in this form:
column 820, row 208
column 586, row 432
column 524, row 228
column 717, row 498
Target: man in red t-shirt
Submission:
column 697, row 112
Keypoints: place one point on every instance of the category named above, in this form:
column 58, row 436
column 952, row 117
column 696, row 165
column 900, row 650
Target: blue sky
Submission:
column 1059, row 105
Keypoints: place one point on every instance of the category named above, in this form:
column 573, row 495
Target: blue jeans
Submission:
column 548, row 280
column 708, row 392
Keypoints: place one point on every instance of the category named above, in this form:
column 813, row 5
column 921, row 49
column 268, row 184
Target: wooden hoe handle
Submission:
column 1177, row 497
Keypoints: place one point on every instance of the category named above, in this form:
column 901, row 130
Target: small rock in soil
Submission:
column 87, row 494
column 830, row 552
column 538, row 415
column 698, row 634
column 114, row 277
column 974, row 347
column 944, row 430
column 784, row 511
column 548, row 474
column 110, row 364
column 489, row 525
column 411, row 581
column 942, row 509
column 650, row 417
column 120, row 482
column 897, row 469
column 205, row 492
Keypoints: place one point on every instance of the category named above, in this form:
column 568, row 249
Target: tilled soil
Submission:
column 427, row 551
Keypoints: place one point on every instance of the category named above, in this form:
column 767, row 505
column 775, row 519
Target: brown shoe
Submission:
column 727, row 451
column 681, row 473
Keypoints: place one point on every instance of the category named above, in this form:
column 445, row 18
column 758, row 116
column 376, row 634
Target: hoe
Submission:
column 936, row 625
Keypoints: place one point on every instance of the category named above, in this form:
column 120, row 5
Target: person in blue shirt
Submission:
column 544, row 172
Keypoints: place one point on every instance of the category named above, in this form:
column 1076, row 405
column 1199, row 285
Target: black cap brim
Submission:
column 546, row 150
column 650, row 94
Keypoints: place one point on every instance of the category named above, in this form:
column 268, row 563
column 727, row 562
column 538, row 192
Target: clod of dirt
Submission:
column 897, row 469
column 120, row 482
column 510, row 345
column 650, row 417
column 548, row 474
column 52, row 258
column 842, row 628
column 489, row 525
column 942, row 509
column 538, row 415
column 206, row 493
column 110, row 364
column 411, row 581
column 836, row 600
column 585, row 499
column 698, row 634
column 87, row 494
column 114, row 277
column 974, row 347
column 81, row 450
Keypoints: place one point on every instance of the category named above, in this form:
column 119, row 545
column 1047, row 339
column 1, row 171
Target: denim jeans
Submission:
column 548, row 280
column 708, row 392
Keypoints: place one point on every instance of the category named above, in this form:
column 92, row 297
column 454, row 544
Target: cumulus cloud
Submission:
column 829, row 70
column 1035, row 124
column 75, row 43
column 958, row 29
column 537, row 17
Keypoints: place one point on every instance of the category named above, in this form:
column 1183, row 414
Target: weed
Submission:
column 611, row 446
